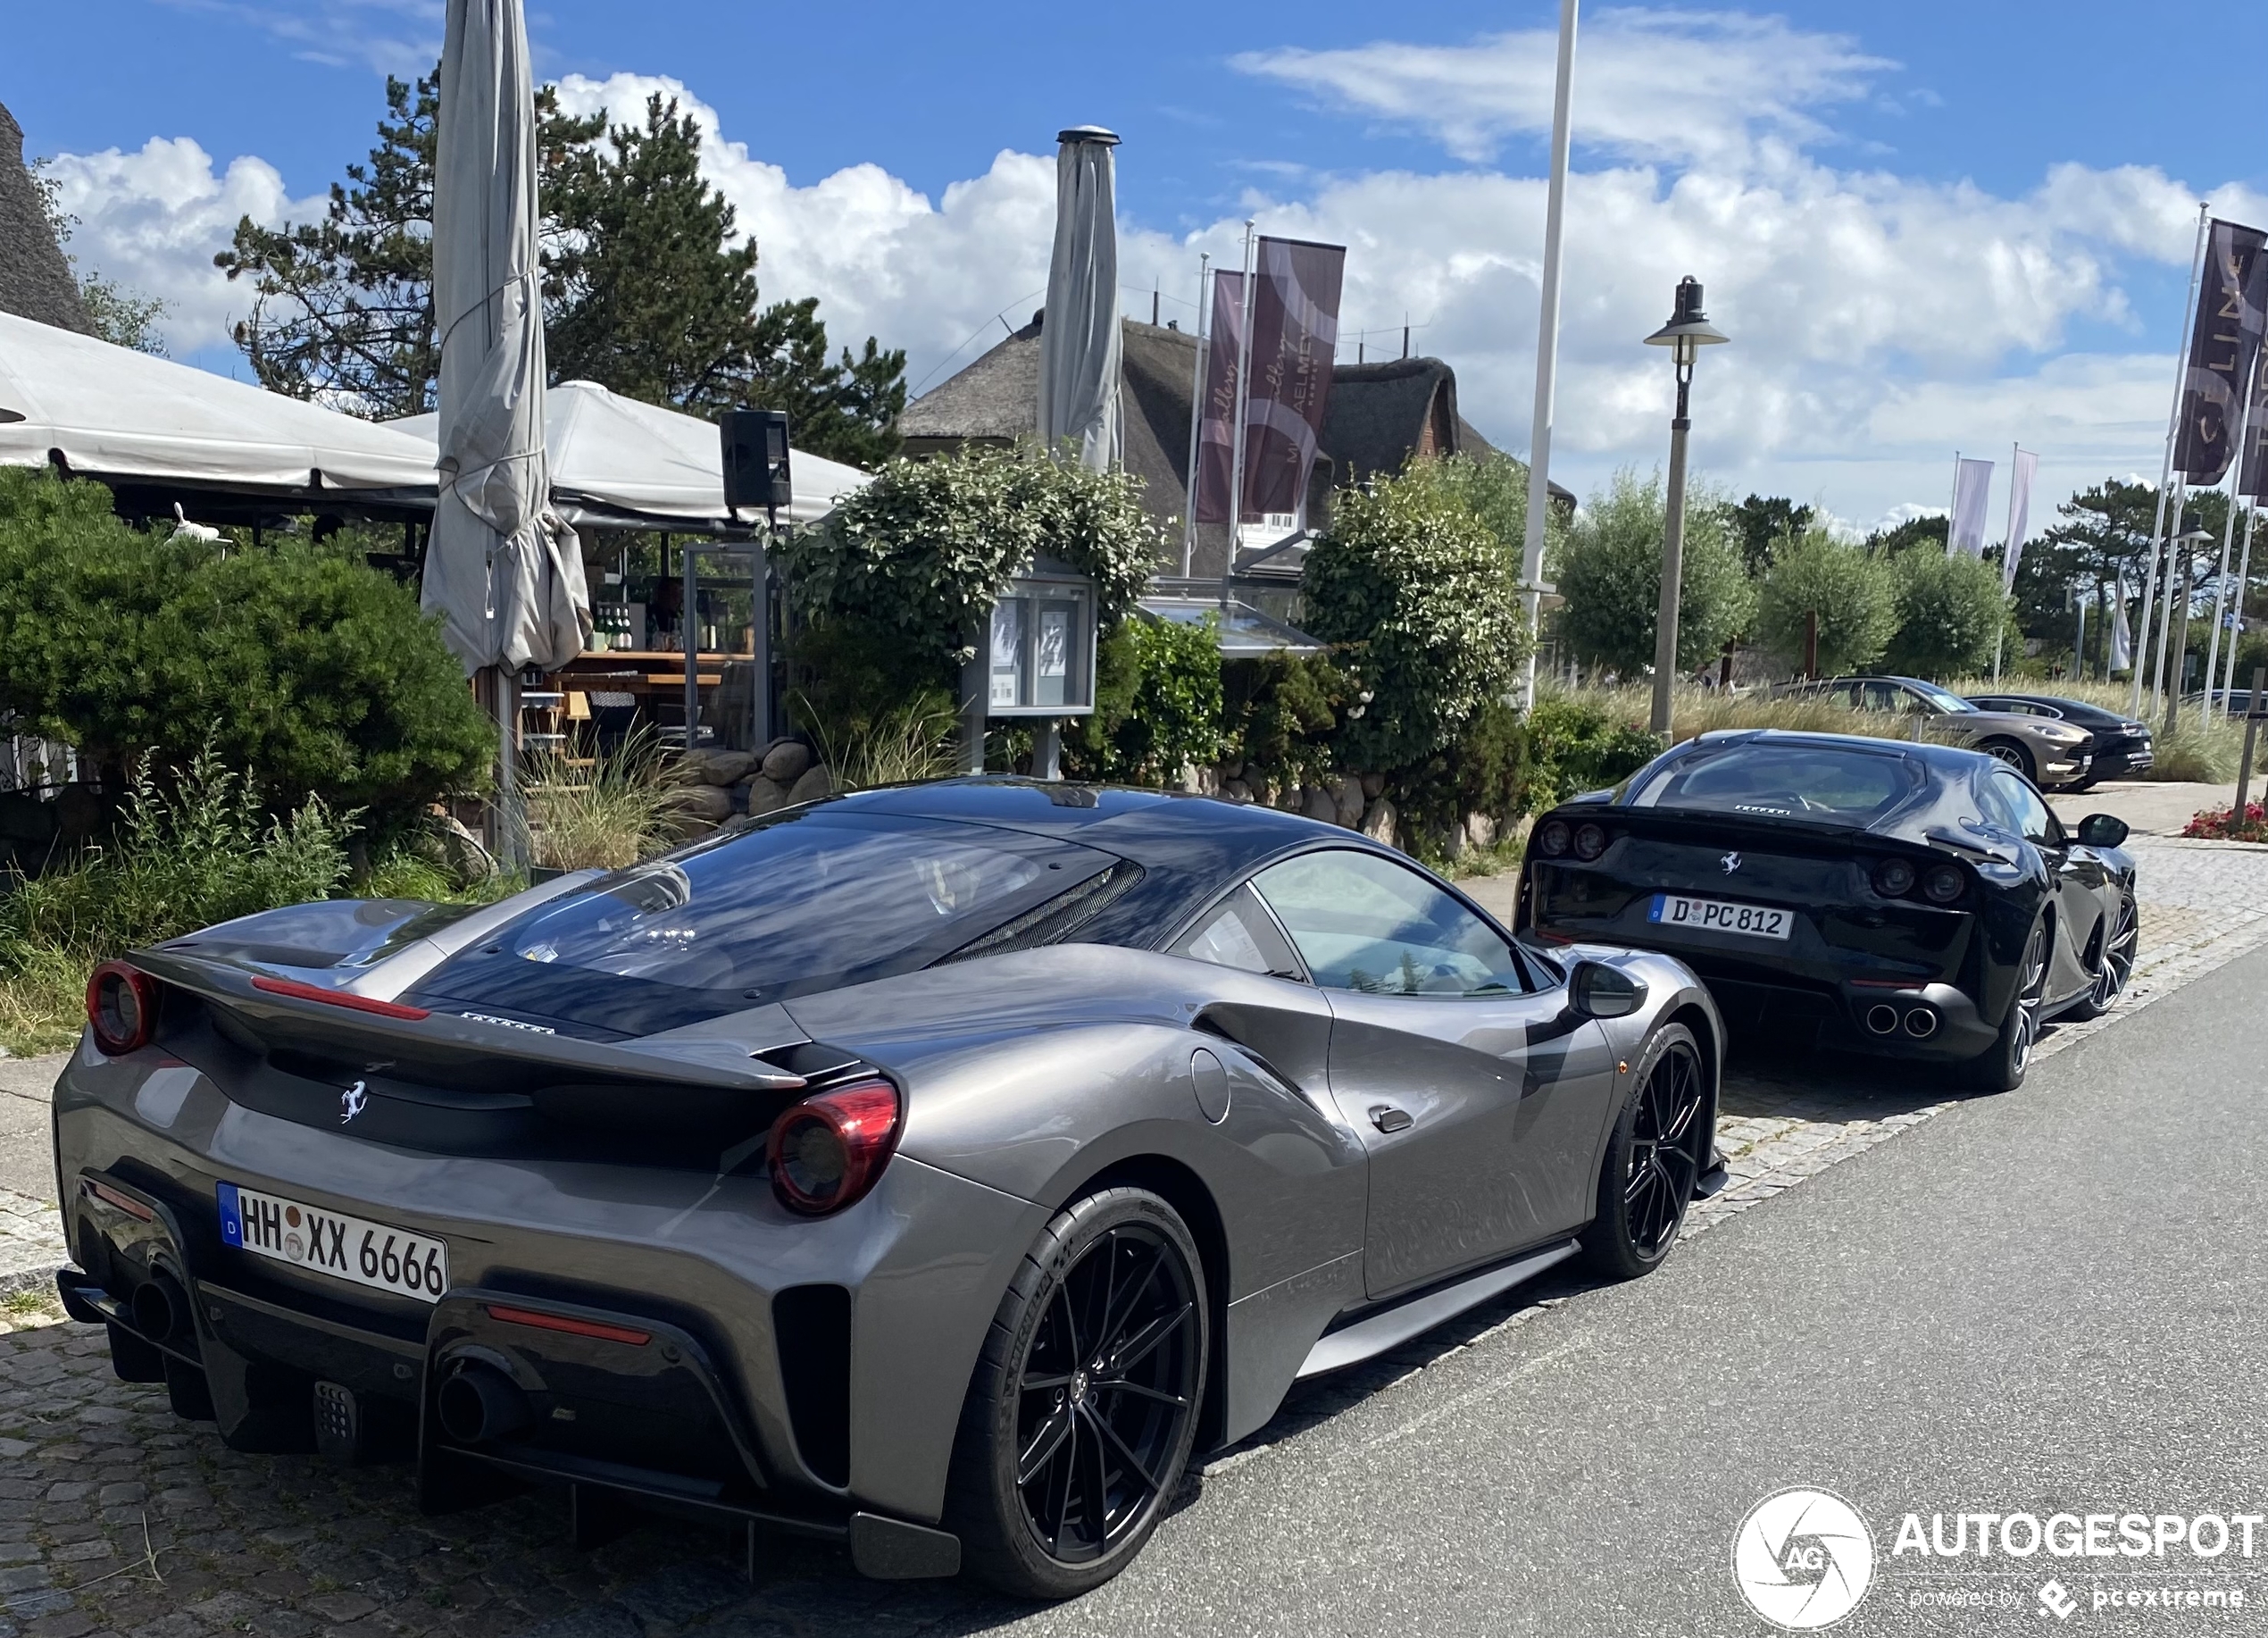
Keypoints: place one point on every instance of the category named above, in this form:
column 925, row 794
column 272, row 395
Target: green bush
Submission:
column 199, row 850
column 1574, row 745
column 315, row 674
column 1417, row 597
column 1846, row 586
column 1157, row 704
column 1280, row 712
column 914, row 559
column 1948, row 609
column 1610, row 571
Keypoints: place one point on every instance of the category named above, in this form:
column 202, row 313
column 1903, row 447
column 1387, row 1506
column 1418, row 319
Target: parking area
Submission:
column 115, row 1518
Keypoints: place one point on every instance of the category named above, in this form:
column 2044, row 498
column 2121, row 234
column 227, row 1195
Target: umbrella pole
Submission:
column 507, row 830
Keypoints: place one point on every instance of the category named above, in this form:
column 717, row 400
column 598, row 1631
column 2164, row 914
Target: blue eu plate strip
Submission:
column 1655, row 915
column 231, row 1217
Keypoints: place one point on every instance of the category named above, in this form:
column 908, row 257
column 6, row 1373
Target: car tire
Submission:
column 2002, row 1067
column 2115, row 965
column 2012, row 753
column 1654, row 1156
column 1115, row 1381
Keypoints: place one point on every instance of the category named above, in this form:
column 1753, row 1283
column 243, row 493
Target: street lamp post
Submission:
column 2176, row 645
column 1687, row 331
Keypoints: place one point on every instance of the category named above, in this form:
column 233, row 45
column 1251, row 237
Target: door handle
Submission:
column 1386, row 1117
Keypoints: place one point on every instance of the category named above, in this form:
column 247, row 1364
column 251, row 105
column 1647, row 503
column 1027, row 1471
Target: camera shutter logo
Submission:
column 1803, row 1558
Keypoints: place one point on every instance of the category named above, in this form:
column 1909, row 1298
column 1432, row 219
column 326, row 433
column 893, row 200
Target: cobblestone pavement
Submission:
column 117, row 1519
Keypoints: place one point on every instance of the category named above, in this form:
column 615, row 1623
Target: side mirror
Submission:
column 1596, row 991
column 2102, row 830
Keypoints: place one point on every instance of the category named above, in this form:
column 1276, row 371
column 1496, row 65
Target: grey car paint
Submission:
column 1026, row 1077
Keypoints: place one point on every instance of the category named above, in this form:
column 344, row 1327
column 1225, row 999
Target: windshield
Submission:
column 1939, row 697
column 811, row 900
column 1786, row 782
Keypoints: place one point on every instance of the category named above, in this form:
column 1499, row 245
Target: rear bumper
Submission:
column 809, row 1374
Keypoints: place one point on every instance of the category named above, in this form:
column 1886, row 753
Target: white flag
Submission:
column 2019, row 514
column 1971, row 485
column 2122, row 638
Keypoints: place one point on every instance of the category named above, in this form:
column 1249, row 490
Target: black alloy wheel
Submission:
column 1084, row 1406
column 2008, row 751
column 2001, row 1066
column 1654, row 1157
column 2114, row 967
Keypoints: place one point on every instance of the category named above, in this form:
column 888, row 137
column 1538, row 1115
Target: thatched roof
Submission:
column 35, row 280
column 1379, row 416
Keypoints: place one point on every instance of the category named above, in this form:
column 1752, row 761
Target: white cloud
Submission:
column 152, row 219
column 1715, row 87
column 1877, row 321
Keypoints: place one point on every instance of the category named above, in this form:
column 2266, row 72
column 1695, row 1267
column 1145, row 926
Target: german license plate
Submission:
column 351, row 1249
column 1715, row 916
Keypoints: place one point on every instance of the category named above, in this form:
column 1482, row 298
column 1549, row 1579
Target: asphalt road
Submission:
column 2042, row 1302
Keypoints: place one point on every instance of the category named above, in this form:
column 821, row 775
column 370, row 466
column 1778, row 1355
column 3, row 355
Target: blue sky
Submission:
column 1923, row 222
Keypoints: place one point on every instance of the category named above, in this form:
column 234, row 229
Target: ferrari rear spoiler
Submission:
column 285, row 1013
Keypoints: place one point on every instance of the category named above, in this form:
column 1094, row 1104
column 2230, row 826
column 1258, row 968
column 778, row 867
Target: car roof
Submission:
column 2080, row 708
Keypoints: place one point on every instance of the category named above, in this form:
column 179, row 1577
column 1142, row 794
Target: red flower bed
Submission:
column 2219, row 824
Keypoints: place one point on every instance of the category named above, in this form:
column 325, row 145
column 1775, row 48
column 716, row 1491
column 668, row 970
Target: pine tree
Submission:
column 645, row 291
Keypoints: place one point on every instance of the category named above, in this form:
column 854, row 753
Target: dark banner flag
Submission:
column 2224, row 344
column 1217, row 414
column 2254, row 480
column 1294, row 332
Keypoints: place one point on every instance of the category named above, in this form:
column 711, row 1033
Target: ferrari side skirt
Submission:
column 1375, row 1332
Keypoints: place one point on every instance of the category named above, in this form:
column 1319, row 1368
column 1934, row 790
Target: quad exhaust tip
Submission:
column 1922, row 1023
column 1882, row 1020
column 481, row 1403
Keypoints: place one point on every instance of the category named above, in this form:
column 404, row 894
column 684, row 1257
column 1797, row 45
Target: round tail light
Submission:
column 1894, row 878
column 1942, row 885
column 1551, row 837
column 1590, row 841
column 121, row 1008
column 827, row 1150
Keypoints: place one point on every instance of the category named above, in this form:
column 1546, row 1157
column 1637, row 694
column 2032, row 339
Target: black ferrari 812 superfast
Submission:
column 1912, row 899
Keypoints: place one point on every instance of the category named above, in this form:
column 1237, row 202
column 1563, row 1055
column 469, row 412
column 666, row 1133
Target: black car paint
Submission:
column 1849, row 939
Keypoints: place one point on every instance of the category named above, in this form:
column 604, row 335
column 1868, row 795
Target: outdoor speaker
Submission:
column 756, row 458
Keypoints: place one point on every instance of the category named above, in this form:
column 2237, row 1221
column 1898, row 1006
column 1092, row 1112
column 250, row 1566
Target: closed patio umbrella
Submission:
column 503, row 571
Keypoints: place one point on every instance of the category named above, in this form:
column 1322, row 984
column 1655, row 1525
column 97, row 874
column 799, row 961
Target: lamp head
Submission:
column 1689, row 327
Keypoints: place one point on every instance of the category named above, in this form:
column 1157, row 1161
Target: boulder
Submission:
column 1481, row 830
column 711, row 803
column 766, row 796
column 1382, row 823
column 786, row 762
column 1346, row 801
column 692, row 767
column 462, row 855
column 728, row 767
column 1233, row 769
column 1317, row 802
column 1236, row 790
column 814, row 784
column 1373, row 786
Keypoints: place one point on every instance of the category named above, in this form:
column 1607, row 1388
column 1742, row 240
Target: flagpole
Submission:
column 1531, row 554
column 2165, row 476
column 1952, row 507
column 2007, row 563
column 1244, row 394
column 2244, row 577
column 1196, row 423
column 2165, row 597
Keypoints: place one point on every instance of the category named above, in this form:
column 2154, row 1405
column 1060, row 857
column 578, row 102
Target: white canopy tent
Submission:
column 114, row 414
column 620, row 463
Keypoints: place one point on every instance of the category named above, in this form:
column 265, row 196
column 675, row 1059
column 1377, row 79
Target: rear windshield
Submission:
column 1786, row 782
column 812, row 901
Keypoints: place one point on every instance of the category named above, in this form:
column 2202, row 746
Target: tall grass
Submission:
column 188, row 852
column 900, row 745
column 587, row 808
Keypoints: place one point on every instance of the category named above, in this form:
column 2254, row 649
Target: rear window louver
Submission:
column 1056, row 920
